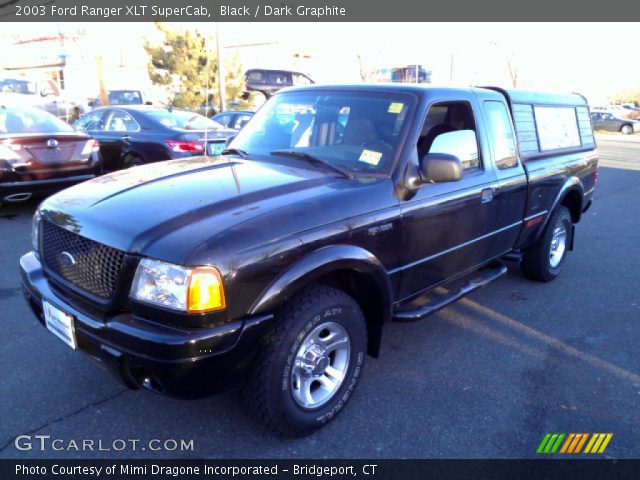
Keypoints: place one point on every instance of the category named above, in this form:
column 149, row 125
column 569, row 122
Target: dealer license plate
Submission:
column 60, row 324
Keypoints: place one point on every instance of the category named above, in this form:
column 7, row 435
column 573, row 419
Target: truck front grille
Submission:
column 87, row 265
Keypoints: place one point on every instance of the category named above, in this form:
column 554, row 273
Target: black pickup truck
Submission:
column 334, row 211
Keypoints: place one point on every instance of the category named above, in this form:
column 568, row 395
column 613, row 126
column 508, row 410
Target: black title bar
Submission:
column 318, row 469
column 315, row 10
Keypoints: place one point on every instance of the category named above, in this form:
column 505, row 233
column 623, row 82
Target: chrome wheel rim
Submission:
column 558, row 245
column 320, row 365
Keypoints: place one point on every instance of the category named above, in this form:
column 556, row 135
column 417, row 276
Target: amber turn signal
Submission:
column 205, row 293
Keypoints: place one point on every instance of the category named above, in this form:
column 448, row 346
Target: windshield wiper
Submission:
column 313, row 160
column 234, row 151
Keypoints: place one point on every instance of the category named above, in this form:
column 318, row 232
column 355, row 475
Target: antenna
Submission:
column 206, row 94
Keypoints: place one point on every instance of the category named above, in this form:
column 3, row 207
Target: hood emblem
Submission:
column 52, row 143
column 66, row 259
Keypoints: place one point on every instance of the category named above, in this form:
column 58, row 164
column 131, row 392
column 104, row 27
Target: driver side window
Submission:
column 450, row 128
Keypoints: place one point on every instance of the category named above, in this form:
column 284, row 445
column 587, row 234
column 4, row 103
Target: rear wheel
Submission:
column 132, row 161
column 626, row 129
column 544, row 260
column 310, row 363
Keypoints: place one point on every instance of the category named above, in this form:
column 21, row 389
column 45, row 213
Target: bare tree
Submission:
column 513, row 72
column 367, row 72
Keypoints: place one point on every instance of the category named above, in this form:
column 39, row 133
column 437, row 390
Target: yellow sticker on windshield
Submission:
column 370, row 156
column 395, row 107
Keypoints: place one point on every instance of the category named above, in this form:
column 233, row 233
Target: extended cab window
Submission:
column 557, row 127
column 502, row 138
column 450, row 128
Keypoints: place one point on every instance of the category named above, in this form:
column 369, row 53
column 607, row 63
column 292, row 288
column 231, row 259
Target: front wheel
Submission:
column 544, row 260
column 310, row 363
column 626, row 129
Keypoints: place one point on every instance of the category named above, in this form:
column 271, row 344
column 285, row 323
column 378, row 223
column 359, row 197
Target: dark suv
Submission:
column 269, row 82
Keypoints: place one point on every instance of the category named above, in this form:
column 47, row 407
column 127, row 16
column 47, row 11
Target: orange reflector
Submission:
column 535, row 221
column 206, row 293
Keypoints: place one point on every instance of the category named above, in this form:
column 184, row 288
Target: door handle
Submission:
column 126, row 138
column 486, row 195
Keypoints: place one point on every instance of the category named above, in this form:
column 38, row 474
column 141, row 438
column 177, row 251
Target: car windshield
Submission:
column 30, row 121
column 17, row 86
column 125, row 97
column 355, row 131
column 183, row 120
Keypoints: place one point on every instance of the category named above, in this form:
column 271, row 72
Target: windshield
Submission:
column 30, row 121
column 17, row 86
column 125, row 97
column 356, row 131
column 183, row 120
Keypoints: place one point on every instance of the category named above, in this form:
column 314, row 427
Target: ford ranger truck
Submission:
column 335, row 210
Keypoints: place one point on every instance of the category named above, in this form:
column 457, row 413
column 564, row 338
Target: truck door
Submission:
column 448, row 228
column 510, row 196
column 121, row 130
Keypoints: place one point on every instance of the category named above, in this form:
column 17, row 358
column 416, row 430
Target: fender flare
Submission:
column 571, row 184
column 320, row 262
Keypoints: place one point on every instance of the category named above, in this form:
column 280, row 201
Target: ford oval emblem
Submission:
column 52, row 143
column 66, row 259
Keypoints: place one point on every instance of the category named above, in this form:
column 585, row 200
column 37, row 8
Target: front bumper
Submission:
column 189, row 362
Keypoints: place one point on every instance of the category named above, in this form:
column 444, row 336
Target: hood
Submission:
column 166, row 210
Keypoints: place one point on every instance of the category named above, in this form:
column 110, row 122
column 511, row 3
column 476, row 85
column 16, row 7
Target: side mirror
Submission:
column 440, row 167
column 91, row 104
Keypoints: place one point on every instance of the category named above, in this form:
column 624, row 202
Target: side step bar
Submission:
column 436, row 304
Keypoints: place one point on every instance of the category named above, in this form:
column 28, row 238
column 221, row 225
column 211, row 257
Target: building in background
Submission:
column 66, row 61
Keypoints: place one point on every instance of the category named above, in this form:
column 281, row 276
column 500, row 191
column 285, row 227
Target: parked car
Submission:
column 603, row 120
column 121, row 97
column 40, row 154
column 235, row 119
column 284, row 261
column 134, row 135
column 269, row 82
column 22, row 93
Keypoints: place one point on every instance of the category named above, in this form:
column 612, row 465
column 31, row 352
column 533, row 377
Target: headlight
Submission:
column 35, row 234
column 192, row 290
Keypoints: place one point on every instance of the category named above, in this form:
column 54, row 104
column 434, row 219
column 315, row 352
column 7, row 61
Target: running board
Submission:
column 436, row 304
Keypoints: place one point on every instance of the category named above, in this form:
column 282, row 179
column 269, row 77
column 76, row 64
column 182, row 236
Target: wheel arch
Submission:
column 570, row 195
column 348, row 267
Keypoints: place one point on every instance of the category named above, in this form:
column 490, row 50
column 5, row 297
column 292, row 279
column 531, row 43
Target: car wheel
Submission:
column 310, row 363
column 132, row 161
column 544, row 260
column 626, row 129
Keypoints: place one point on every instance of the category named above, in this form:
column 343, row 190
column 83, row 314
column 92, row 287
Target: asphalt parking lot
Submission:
column 486, row 377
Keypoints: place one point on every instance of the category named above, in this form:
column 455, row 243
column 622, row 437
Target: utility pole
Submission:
column 104, row 98
column 221, row 73
column 451, row 69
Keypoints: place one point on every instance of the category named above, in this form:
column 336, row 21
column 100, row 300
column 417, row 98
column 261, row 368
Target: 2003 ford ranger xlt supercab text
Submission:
column 334, row 211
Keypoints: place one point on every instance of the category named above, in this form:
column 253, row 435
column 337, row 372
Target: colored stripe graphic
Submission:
column 573, row 443
column 567, row 443
column 581, row 442
column 543, row 443
column 598, row 443
column 550, row 443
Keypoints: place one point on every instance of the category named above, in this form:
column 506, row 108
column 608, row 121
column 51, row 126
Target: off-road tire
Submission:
column 269, row 393
column 536, row 262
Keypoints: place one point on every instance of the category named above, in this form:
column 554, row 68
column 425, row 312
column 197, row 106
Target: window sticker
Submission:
column 371, row 157
column 395, row 107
